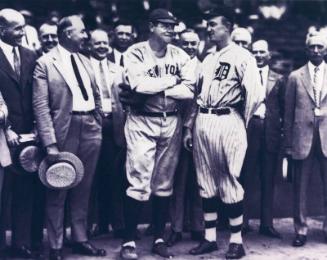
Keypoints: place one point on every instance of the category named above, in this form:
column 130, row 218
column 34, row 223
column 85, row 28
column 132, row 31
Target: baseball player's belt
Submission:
column 217, row 111
column 155, row 114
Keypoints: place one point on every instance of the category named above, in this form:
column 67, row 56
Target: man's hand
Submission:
column 53, row 153
column 12, row 138
column 188, row 140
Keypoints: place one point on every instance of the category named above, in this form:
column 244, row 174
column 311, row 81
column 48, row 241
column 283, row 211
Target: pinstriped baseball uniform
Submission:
column 220, row 143
column 153, row 143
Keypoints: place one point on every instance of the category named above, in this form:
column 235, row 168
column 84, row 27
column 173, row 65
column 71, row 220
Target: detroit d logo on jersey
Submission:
column 221, row 72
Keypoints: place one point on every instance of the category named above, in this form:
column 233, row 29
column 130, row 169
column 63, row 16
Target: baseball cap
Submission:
column 163, row 16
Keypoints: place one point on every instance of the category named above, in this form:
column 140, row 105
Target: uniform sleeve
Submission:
column 254, row 91
column 3, row 109
column 136, row 75
column 185, row 89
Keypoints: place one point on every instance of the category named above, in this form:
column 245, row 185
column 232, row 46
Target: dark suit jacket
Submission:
column 52, row 98
column 299, row 114
column 18, row 93
column 274, row 111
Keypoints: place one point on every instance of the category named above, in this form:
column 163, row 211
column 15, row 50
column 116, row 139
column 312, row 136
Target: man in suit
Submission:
column 123, row 38
column 17, row 64
column 186, row 201
column 67, row 108
column 305, row 125
column 264, row 138
column 242, row 37
column 108, row 178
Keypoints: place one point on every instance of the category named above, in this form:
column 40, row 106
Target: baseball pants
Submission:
column 220, row 144
column 153, row 145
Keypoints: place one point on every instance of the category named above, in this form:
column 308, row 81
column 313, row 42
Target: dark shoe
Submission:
column 204, row 247
column 161, row 249
column 197, row 235
column 55, row 254
column 22, row 252
column 119, row 233
column 86, row 248
column 299, row 240
column 174, row 238
column 235, row 251
column 128, row 252
column 269, row 232
column 96, row 231
column 246, row 229
column 149, row 231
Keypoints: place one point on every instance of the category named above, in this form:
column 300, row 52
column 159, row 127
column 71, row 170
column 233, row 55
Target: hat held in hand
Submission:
column 65, row 172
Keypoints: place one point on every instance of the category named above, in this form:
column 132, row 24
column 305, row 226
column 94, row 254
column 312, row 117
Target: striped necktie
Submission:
column 16, row 62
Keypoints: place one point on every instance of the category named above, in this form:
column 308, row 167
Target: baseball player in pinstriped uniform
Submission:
column 230, row 93
column 153, row 133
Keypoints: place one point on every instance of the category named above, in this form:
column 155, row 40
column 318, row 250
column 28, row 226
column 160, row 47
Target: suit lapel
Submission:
column 270, row 82
column 6, row 67
column 306, row 80
column 324, row 85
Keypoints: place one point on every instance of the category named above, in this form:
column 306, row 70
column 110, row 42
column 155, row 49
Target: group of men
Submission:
column 137, row 113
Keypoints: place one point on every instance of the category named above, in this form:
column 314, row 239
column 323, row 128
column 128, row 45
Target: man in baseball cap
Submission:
column 162, row 16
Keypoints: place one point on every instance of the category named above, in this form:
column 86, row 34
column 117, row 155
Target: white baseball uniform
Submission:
column 229, row 77
column 153, row 142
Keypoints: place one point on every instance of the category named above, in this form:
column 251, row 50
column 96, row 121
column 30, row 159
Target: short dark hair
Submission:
column 65, row 23
column 123, row 22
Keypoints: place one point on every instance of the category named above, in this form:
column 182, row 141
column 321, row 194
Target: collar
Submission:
column 264, row 69
column 63, row 51
column 312, row 67
column 6, row 47
column 96, row 61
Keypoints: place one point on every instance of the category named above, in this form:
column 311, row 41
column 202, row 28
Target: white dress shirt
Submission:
column 79, row 103
column 105, row 102
column 8, row 51
column 264, row 71
column 319, row 76
column 117, row 55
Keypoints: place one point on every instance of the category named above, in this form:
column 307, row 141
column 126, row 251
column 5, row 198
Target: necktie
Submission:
column 103, row 82
column 121, row 62
column 261, row 78
column 16, row 62
column 79, row 78
column 316, row 91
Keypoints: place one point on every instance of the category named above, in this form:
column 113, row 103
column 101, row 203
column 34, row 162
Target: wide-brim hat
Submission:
column 30, row 157
column 65, row 173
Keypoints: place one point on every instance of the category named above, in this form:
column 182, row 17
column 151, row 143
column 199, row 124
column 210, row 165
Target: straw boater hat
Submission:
column 65, row 173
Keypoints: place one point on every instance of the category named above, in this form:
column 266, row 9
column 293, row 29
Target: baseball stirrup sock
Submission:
column 235, row 214
column 159, row 215
column 132, row 212
column 210, row 218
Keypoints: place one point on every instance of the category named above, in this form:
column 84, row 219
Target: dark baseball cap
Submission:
column 163, row 16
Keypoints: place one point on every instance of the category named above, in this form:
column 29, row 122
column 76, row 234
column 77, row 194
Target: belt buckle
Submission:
column 164, row 115
column 210, row 109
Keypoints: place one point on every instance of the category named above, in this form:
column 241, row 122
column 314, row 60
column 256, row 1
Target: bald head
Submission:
column 99, row 44
column 260, row 50
column 242, row 37
column 316, row 48
column 12, row 25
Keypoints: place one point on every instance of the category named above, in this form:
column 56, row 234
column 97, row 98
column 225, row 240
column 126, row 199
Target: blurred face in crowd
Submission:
column 316, row 49
column 217, row 30
column 76, row 34
column 48, row 37
column 242, row 37
column 163, row 31
column 123, row 36
column 261, row 53
column 12, row 28
column 99, row 44
column 190, row 43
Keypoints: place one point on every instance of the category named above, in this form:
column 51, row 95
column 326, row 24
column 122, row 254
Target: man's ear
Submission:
column 151, row 27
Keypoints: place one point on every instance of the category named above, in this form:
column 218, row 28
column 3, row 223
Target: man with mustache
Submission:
column 48, row 37
column 67, row 108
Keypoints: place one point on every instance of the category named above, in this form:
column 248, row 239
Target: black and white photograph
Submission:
column 163, row 129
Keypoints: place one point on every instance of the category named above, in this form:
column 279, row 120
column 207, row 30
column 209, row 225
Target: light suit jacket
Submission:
column 52, row 97
column 299, row 114
column 5, row 159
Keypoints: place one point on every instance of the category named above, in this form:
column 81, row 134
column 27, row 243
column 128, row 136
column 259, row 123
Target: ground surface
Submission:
column 256, row 246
